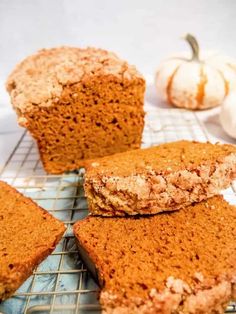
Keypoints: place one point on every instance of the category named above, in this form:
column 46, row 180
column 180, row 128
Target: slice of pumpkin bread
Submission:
column 157, row 179
column 28, row 234
column 178, row 262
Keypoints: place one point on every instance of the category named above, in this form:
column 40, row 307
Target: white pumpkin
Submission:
column 194, row 83
column 228, row 115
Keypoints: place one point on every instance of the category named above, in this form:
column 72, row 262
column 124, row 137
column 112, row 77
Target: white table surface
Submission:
column 142, row 32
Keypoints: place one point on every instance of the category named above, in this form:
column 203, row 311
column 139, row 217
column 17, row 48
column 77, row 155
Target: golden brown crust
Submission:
column 163, row 178
column 181, row 262
column 28, row 234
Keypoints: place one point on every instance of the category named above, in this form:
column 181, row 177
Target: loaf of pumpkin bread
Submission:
column 28, row 234
column 162, row 178
column 178, row 262
column 78, row 104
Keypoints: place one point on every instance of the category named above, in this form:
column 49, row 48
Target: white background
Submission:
column 142, row 32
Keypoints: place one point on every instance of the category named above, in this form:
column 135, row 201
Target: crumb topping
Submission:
column 152, row 193
column 40, row 78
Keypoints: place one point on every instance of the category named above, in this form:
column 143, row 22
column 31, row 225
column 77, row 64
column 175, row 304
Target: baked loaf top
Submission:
column 28, row 234
column 40, row 78
column 163, row 159
column 181, row 262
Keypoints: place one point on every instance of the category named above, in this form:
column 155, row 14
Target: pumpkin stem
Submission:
column 194, row 46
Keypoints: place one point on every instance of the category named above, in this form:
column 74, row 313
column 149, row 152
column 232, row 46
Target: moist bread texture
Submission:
column 78, row 104
column 178, row 262
column 162, row 178
column 28, row 234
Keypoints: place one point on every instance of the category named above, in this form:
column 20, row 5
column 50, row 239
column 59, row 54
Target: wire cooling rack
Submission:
column 61, row 284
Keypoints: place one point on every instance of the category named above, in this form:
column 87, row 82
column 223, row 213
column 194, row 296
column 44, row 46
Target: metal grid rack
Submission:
column 61, row 284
